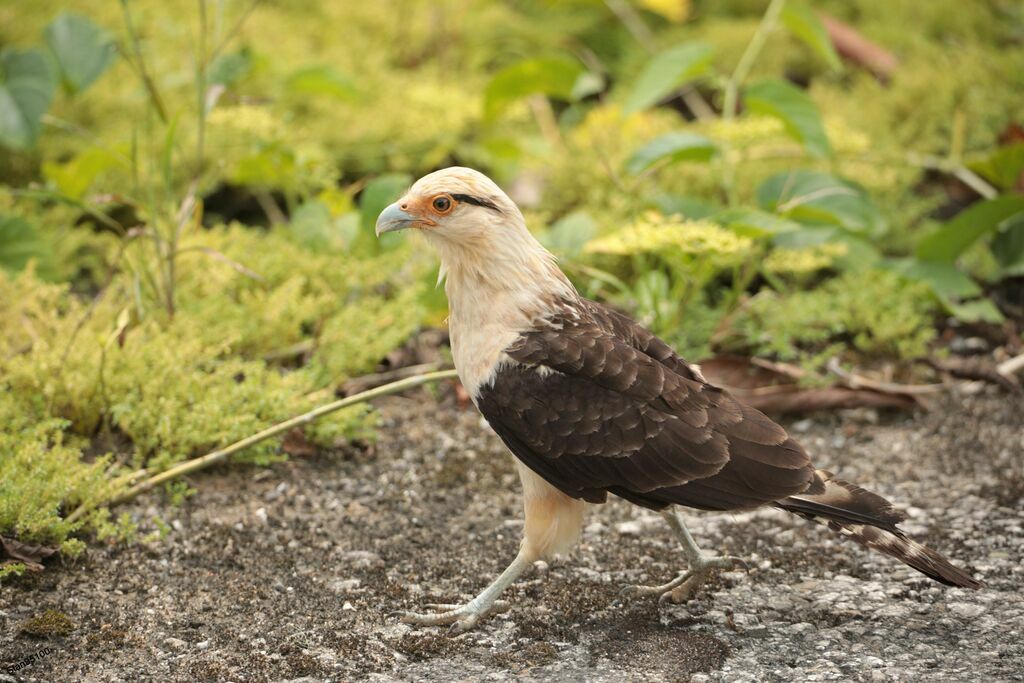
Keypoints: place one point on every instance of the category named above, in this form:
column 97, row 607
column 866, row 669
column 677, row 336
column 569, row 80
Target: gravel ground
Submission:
column 294, row 572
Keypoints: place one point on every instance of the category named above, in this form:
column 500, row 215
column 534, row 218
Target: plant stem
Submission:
column 202, row 462
column 140, row 64
column 746, row 63
column 732, row 89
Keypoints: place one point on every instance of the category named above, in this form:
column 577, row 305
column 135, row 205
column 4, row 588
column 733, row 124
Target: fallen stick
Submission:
column 220, row 455
column 1009, row 368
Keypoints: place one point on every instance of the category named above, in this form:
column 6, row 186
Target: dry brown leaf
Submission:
column 29, row 554
column 774, row 388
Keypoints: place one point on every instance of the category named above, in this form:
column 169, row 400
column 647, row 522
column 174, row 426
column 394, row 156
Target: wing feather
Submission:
column 594, row 403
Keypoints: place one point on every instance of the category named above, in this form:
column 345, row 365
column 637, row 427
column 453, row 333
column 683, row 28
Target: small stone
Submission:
column 631, row 528
column 363, row 559
column 203, row 645
column 345, row 585
column 175, row 643
column 261, row 515
column 966, row 610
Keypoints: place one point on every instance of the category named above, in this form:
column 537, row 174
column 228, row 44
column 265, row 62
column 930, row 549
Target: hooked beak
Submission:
column 393, row 218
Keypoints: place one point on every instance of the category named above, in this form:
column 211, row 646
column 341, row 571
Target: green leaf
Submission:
column 681, row 205
column 859, row 252
column 754, row 223
column 1003, row 167
column 671, row 147
column 945, row 279
column 26, row 90
column 803, row 23
column 321, row 80
column 977, row 310
column 816, row 198
column 1008, row 247
column 75, row 176
column 558, row 77
column 666, row 72
column 82, row 49
column 792, row 106
column 568, row 235
column 231, row 67
column 20, row 243
column 956, row 236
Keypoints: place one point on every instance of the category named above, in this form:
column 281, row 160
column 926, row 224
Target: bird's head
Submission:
column 456, row 206
column 478, row 231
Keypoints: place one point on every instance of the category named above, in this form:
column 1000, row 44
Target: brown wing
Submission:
column 597, row 404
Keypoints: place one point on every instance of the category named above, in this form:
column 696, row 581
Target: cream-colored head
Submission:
column 478, row 231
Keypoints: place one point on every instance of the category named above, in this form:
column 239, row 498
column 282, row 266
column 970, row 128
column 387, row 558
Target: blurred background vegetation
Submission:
column 188, row 191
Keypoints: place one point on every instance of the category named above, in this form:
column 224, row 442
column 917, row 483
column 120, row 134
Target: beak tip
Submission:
column 391, row 219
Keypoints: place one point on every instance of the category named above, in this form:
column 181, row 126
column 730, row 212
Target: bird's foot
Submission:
column 460, row 618
column 682, row 588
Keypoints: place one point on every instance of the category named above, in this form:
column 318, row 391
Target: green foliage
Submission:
column 81, row 49
column 670, row 148
column 795, row 109
column 26, row 90
column 873, row 311
column 801, row 20
column 559, row 77
column 665, row 73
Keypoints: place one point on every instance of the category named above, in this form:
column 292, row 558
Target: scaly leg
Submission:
column 684, row 586
column 464, row 617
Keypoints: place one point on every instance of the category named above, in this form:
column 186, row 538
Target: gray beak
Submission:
column 393, row 218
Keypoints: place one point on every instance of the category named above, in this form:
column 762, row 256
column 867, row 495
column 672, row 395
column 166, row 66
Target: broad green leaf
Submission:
column 945, row 279
column 230, row 68
column 754, row 223
column 321, row 80
column 665, row 73
column 792, row 106
column 1008, row 247
column 20, row 243
column 82, row 49
column 75, row 176
column 977, row 310
column 859, row 252
column 680, row 205
column 568, row 235
column 970, row 225
column 556, row 77
column 803, row 23
column 671, row 147
column 816, row 198
column 26, row 89
column 314, row 227
column 1003, row 167
column 376, row 196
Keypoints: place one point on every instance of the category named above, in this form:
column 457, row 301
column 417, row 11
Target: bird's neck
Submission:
column 494, row 296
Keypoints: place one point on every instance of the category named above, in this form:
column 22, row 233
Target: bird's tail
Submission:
column 871, row 520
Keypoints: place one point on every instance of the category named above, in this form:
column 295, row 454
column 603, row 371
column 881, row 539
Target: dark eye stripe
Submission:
column 477, row 201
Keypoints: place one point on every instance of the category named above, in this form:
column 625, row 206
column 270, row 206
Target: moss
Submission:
column 48, row 624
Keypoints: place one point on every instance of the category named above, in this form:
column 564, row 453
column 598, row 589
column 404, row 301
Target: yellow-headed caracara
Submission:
column 591, row 403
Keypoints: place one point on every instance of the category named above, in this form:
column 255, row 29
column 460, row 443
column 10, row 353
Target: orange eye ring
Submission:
column 442, row 204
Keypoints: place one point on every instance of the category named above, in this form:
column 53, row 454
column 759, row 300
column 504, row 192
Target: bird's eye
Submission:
column 442, row 204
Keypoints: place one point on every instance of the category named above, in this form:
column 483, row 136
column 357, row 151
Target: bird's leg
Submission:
column 701, row 566
column 464, row 617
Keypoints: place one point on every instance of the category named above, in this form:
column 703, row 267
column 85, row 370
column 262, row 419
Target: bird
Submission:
column 591, row 404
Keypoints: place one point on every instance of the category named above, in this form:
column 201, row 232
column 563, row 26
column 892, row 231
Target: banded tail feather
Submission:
column 871, row 521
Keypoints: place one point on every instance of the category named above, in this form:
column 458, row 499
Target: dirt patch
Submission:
column 296, row 572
